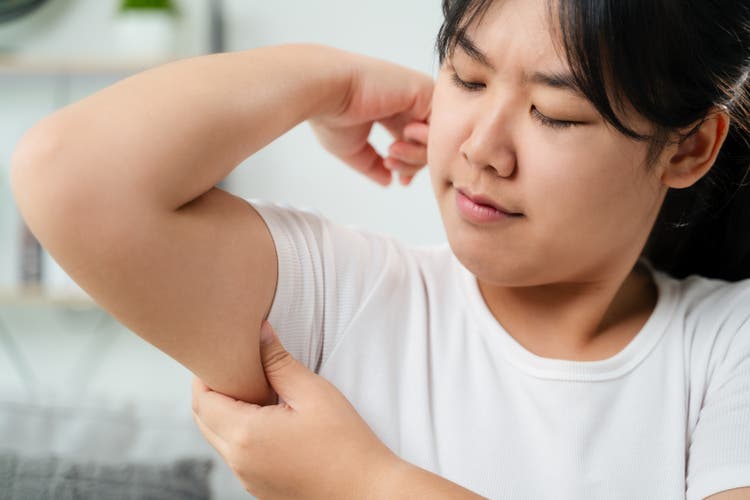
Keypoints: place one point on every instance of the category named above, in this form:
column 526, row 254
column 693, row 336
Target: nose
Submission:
column 490, row 145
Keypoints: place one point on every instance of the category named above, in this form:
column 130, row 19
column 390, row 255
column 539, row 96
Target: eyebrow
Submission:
column 555, row 80
column 471, row 50
column 564, row 81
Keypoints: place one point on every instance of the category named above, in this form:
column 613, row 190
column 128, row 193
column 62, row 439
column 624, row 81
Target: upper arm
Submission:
column 196, row 282
column 735, row 494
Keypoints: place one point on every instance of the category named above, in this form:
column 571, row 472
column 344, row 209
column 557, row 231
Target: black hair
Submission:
column 674, row 62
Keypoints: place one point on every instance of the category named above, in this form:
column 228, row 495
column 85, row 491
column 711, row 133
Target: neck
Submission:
column 591, row 319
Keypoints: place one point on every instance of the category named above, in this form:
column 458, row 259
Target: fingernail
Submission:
column 266, row 333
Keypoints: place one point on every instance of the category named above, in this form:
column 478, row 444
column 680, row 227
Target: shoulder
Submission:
column 713, row 318
column 348, row 249
column 309, row 228
column 705, row 301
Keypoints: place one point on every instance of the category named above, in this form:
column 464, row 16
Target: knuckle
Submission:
column 242, row 441
column 278, row 360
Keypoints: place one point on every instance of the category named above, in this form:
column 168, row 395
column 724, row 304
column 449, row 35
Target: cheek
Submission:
column 594, row 189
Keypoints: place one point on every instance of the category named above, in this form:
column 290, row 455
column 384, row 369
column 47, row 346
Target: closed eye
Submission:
column 551, row 122
column 463, row 84
column 543, row 119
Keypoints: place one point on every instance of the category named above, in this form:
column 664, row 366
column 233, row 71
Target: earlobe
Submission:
column 696, row 154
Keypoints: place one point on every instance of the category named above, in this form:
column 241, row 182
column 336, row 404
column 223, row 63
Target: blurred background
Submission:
column 63, row 361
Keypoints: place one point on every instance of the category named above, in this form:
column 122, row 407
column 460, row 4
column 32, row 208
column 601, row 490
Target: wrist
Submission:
column 327, row 73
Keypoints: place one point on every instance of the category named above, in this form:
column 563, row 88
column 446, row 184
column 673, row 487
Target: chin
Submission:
column 489, row 258
column 486, row 259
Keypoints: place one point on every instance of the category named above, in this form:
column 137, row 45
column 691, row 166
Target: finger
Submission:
column 406, row 173
column 409, row 152
column 401, row 167
column 216, row 441
column 219, row 413
column 291, row 380
column 417, row 132
column 405, row 180
column 420, row 111
column 369, row 162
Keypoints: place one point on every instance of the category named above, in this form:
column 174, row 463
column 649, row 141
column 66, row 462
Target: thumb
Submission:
column 287, row 376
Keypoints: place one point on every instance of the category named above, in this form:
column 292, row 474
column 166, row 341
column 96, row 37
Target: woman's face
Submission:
column 506, row 126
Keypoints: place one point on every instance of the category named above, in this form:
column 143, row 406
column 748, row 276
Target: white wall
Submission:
column 83, row 28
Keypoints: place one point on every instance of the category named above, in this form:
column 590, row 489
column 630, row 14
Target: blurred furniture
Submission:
column 13, row 9
column 77, row 387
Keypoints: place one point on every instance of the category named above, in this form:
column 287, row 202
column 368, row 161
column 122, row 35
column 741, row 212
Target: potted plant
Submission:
column 146, row 29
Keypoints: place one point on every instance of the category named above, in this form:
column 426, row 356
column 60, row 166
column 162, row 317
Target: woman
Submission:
column 561, row 345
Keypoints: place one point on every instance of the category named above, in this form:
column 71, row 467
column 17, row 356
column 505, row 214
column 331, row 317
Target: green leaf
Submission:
column 165, row 5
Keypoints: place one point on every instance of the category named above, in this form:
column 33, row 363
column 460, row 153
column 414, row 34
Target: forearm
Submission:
column 407, row 481
column 167, row 135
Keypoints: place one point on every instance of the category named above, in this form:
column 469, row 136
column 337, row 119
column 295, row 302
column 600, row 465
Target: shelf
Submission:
column 37, row 297
column 11, row 65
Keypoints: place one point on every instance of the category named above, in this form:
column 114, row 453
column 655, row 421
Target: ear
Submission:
column 694, row 156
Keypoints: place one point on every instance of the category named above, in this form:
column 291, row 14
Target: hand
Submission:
column 312, row 445
column 408, row 156
column 380, row 92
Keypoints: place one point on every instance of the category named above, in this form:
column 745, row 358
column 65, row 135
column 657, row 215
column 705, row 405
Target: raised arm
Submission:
column 119, row 188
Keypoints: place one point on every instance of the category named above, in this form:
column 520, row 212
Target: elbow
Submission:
column 38, row 141
column 41, row 190
column 31, row 163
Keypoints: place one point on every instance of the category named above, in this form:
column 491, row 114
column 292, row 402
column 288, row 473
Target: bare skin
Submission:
column 633, row 304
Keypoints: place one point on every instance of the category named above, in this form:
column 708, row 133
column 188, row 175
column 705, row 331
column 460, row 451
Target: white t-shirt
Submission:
column 404, row 333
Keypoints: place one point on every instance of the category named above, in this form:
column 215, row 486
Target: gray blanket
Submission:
column 56, row 478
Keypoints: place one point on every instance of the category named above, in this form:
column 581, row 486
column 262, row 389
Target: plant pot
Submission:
column 146, row 35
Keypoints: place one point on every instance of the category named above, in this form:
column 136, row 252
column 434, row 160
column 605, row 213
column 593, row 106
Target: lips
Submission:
column 486, row 201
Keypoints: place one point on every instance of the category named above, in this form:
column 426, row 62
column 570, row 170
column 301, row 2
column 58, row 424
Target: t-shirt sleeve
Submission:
column 326, row 271
column 719, row 454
